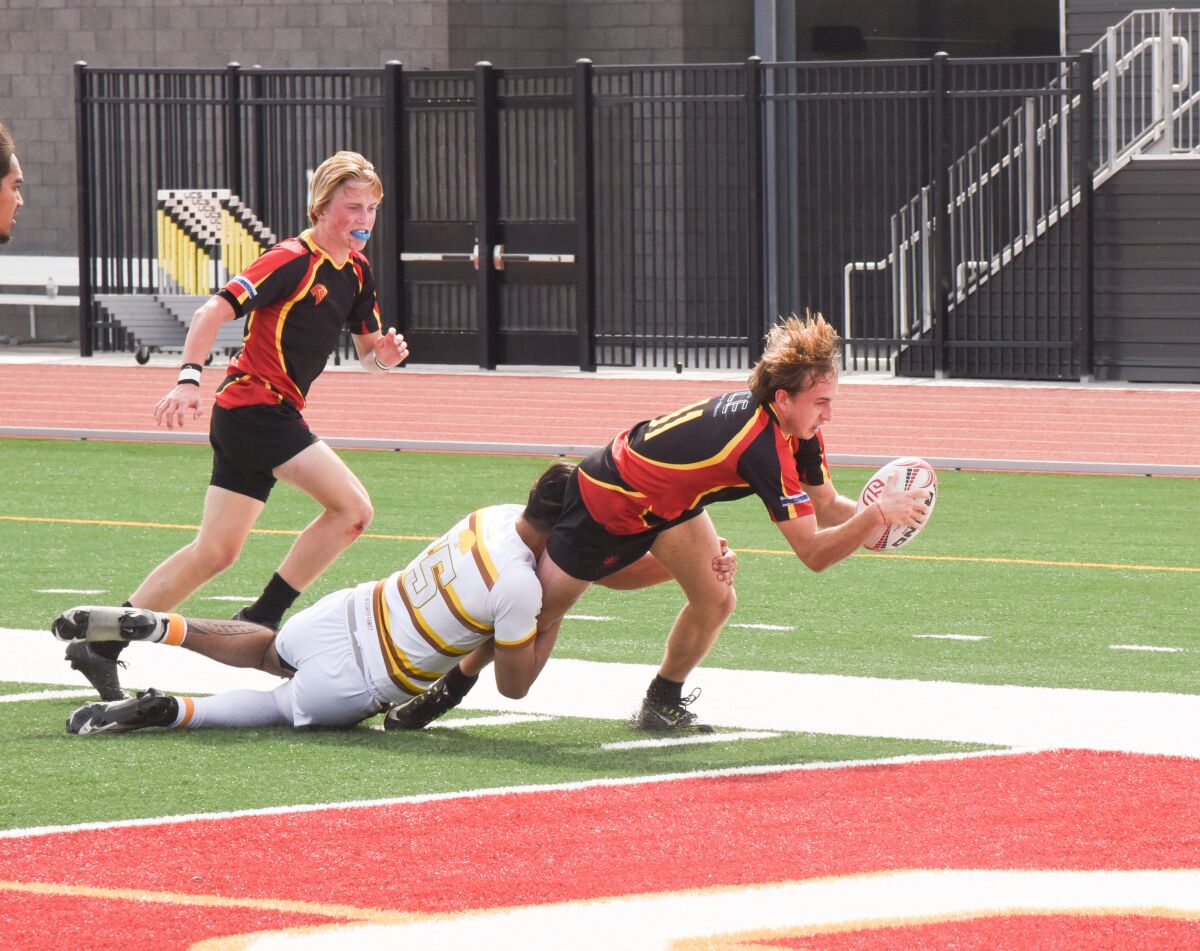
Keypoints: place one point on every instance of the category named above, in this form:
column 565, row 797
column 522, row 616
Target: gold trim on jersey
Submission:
column 483, row 559
column 632, row 493
column 400, row 670
column 703, row 463
column 421, row 626
column 523, row 640
column 460, row 613
column 286, row 309
column 660, row 424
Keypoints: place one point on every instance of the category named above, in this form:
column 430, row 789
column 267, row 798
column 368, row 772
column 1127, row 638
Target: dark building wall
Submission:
column 858, row 29
column 39, row 42
column 1147, row 273
column 1086, row 20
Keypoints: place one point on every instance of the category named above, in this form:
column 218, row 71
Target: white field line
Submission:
column 503, row 719
column 1145, row 647
column 513, row 791
column 763, row 627
column 952, row 637
column 740, row 916
column 229, row 597
column 589, row 617
column 693, row 740
column 46, row 695
column 1037, row 717
column 71, row 591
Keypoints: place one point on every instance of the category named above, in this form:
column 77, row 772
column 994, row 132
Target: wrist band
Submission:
column 189, row 373
column 380, row 365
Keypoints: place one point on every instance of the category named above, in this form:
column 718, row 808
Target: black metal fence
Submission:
column 936, row 210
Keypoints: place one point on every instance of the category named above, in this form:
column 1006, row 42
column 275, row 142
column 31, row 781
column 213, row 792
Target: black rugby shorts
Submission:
column 586, row 550
column 250, row 441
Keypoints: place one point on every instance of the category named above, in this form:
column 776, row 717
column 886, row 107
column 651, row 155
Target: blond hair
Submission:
column 798, row 353
column 334, row 172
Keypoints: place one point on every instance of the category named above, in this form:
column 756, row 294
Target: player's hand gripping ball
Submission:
column 914, row 473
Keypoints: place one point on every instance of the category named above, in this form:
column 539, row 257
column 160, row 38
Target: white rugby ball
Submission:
column 914, row 474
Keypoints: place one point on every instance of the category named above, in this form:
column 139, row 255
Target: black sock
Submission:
column 459, row 684
column 272, row 604
column 110, row 649
column 664, row 691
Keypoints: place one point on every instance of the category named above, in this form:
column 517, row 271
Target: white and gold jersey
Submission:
column 477, row 581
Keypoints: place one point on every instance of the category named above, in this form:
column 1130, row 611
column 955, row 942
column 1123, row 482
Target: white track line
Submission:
column 690, row 740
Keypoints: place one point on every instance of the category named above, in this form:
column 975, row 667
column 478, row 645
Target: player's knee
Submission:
column 357, row 515
column 726, row 602
column 217, row 555
column 718, row 604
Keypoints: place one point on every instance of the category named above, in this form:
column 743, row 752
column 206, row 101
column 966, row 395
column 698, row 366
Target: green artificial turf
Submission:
column 1050, row 570
column 53, row 778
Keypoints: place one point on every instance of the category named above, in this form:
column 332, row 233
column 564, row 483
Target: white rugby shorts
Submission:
column 329, row 687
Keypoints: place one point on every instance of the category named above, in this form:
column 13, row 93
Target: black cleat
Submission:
column 421, row 711
column 110, row 624
column 241, row 616
column 665, row 716
column 151, row 708
column 101, row 672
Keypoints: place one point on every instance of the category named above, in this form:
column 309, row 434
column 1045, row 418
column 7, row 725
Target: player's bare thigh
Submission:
column 320, row 473
column 687, row 551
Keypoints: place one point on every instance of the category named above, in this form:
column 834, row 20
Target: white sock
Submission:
column 234, row 708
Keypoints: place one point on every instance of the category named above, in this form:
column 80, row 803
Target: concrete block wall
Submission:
column 42, row 39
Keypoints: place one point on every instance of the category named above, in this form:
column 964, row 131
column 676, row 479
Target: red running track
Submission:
column 1048, row 426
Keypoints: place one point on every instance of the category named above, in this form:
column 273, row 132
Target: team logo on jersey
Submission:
column 798, row 499
column 245, row 285
column 319, row 292
column 610, row 561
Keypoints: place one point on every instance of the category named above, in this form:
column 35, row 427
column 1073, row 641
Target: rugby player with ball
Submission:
column 646, row 491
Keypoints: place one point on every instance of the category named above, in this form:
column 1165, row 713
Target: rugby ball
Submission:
column 914, row 474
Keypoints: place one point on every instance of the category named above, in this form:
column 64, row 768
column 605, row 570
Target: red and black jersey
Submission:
column 726, row 447
column 296, row 302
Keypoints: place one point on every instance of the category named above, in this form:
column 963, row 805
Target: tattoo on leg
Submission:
column 225, row 628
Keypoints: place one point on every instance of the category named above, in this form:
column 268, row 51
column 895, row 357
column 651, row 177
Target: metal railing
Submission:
column 1007, row 191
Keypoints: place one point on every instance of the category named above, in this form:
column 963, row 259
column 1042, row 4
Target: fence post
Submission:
column 83, row 203
column 939, row 154
column 754, row 200
column 486, row 196
column 585, row 210
column 393, row 186
column 233, row 129
column 1166, row 78
column 1085, row 316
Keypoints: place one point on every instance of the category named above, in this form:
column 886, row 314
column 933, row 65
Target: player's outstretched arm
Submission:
column 819, row 548
column 832, row 508
column 184, row 398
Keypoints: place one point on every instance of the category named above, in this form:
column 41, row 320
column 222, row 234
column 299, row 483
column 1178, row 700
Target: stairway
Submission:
column 158, row 324
column 1146, row 97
